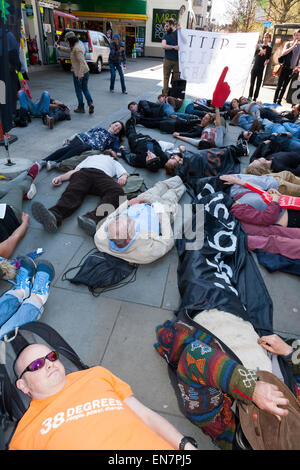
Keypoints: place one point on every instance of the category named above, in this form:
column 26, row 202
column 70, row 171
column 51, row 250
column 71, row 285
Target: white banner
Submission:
column 203, row 55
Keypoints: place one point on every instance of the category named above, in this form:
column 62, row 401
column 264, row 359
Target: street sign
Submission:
column 267, row 24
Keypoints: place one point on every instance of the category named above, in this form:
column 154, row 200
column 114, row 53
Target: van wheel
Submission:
column 98, row 65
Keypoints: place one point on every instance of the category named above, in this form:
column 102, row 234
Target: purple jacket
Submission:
column 248, row 214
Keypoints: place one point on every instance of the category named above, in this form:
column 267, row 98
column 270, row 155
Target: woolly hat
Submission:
column 70, row 34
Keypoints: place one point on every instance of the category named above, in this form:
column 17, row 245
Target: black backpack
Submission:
column 14, row 403
column 102, row 272
column 22, row 118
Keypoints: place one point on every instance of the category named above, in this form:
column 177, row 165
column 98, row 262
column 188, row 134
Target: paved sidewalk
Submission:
column 117, row 329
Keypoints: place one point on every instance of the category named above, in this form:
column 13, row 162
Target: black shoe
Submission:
column 44, row 217
column 243, row 144
column 91, row 108
column 87, row 224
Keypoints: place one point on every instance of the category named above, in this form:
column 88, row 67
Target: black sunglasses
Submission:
column 40, row 362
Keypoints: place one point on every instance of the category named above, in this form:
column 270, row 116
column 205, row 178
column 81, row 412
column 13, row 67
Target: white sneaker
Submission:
column 51, row 165
column 31, row 192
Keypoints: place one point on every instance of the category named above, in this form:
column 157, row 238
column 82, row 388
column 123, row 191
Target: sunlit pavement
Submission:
column 117, row 329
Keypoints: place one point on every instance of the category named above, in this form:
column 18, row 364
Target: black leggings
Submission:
column 75, row 147
column 293, row 218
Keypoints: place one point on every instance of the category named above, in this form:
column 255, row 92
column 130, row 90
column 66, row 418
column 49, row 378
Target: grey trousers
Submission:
column 12, row 192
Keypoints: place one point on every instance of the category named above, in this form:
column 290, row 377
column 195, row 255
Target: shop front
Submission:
column 39, row 31
column 128, row 19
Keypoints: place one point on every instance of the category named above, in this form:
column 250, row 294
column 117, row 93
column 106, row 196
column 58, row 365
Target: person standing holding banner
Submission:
column 261, row 58
column 170, row 46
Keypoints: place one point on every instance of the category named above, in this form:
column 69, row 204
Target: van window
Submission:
column 61, row 22
column 94, row 38
column 82, row 35
column 102, row 41
column 106, row 42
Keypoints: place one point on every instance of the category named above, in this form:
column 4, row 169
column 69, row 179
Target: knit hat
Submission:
column 263, row 430
column 70, row 34
column 117, row 36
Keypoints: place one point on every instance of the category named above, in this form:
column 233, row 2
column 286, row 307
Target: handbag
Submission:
column 277, row 70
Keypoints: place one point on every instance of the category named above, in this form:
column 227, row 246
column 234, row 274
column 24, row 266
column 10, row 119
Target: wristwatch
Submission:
column 185, row 440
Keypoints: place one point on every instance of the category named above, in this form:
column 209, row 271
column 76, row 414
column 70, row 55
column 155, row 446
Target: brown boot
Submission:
column 80, row 109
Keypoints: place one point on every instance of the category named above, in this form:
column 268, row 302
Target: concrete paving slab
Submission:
column 189, row 429
column 286, row 315
column 117, row 329
column 132, row 340
column 84, row 321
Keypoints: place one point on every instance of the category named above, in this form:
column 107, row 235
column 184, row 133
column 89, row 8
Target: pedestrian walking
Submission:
column 117, row 56
column 80, row 70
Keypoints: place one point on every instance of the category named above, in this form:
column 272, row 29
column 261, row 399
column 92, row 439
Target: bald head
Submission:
column 121, row 230
column 41, row 383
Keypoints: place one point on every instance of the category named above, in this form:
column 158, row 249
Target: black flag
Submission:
column 10, row 25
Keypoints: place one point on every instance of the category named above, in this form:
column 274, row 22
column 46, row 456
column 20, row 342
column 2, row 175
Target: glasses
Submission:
column 39, row 363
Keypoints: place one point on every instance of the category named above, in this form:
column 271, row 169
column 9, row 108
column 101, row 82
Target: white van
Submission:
column 96, row 46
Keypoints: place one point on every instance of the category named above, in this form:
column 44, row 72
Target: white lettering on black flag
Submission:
column 204, row 54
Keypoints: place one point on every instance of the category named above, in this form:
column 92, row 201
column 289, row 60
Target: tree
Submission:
column 284, row 11
column 242, row 13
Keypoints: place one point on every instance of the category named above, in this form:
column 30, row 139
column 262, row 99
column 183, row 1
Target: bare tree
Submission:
column 242, row 14
column 284, row 11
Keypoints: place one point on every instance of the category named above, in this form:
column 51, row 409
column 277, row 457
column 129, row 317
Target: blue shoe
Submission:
column 24, row 276
column 44, row 275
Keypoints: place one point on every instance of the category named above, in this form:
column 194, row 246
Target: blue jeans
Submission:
column 294, row 145
column 113, row 68
column 168, row 111
column 190, row 109
column 15, row 312
column 294, row 142
column 282, row 128
column 246, row 121
column 36, row 109
column 81, row 88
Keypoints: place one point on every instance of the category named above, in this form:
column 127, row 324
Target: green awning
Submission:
column 113, row 6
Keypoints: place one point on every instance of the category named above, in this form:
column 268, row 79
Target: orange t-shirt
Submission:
column 87, row 414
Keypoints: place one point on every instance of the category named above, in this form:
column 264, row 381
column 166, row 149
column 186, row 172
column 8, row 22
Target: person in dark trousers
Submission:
column 97, row 138
column 170, row 45
column 275, row 162
column 58, row 111
column 145, row 152
column 261, row 59
column 92, row 176
column 289, row 59
column 117, row 56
